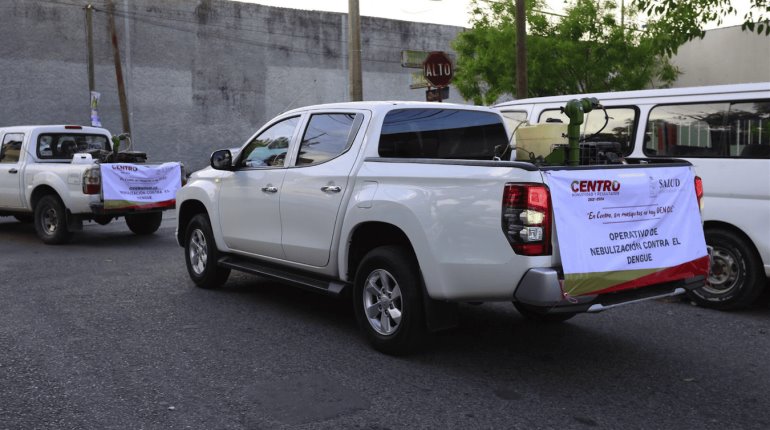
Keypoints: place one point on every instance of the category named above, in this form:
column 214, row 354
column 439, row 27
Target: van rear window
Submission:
column 62, row 146
column 442, row 134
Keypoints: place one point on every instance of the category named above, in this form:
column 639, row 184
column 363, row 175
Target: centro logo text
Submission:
column 125, row 168
column 594, row 186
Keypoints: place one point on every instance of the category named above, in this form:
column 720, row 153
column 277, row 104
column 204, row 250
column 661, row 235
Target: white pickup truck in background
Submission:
column 417, row 206
column 51, row 175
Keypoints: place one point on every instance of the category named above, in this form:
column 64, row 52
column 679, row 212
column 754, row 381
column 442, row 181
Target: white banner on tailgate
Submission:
column 140, row 186
column 617, row 228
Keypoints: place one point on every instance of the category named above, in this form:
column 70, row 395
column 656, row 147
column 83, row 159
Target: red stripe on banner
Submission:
column 157, row 205
column 698, row 267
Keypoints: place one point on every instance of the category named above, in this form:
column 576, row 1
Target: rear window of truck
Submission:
column 442, row 134
column 62, row 146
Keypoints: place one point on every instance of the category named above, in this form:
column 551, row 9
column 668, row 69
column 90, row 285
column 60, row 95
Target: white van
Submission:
column 724, row 131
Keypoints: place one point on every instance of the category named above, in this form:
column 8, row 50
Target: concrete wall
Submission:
column 200, row 75
column 724, row 56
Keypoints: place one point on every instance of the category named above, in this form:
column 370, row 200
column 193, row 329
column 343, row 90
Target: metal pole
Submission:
column 90, row 46
column 118, row 68
column 521, row 49
column 354, row 52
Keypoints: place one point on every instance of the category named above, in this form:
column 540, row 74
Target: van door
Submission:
column 10, row 171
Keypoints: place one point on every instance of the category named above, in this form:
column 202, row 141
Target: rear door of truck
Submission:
column 317, row 182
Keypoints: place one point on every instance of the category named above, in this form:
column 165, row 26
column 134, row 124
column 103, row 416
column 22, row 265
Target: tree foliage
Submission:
column 685, row 20
column 588, row 50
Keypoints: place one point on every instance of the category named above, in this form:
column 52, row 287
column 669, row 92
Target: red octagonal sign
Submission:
column 437, row 69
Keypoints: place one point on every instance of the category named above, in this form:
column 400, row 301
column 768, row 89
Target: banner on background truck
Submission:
column 627, row 228
column 136, row 186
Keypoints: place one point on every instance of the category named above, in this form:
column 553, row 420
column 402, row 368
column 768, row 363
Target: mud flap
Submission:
column 74, row 222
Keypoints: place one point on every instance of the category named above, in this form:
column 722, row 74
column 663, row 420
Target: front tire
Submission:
column 144, row 224
column 201, row 254
column 51, row 221
column 387, row 300
column 736, row 277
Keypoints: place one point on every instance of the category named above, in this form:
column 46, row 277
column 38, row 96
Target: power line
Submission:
column 163, row 22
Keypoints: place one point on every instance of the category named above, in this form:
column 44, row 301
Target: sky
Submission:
column 448, row 12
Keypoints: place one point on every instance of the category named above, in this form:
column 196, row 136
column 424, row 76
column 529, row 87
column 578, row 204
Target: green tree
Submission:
column 683, row 21
column 587, row 50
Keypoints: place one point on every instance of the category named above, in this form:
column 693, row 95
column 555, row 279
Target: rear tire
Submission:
column 535, row 313
column 201, row 254
column 51, row 221
column 736, row 277
column 387, row 300
column 144, row 224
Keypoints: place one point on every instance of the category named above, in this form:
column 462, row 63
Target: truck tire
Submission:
column 201, row 254
column 736, row 277
column 51, row 221
column 144, row 224
column 387, row 300
column 537, row 314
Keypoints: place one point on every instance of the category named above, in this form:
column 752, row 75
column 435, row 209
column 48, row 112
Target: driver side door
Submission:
column 249, row 196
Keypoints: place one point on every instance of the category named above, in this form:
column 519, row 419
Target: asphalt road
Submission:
column 109, row 333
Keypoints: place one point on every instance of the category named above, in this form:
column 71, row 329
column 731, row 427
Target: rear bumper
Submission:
column 99, row 209
column 541, row 287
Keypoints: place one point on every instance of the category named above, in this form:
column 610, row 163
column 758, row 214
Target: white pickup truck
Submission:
column 414, row 207
column 50, row 175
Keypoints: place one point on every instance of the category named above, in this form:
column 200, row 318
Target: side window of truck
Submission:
column 620, row 126
column 704, row 130
column 11, row 148
column 269, row 148
column 327, row 136
column 451, row 134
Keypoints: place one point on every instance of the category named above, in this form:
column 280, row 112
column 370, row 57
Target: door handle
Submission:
column 270, row 189
column 13, row 171
column 331, row 189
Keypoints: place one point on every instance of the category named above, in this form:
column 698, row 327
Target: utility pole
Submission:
column 354, row 52
column 521, row 49
column 118, row 68
column 90, row 47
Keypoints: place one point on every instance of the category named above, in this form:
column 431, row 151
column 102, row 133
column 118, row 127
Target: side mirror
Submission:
column 222, row 159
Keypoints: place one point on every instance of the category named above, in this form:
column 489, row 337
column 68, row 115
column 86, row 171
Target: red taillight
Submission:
column 73, row 127
column 92, row 181
column 699, row 191
column 527, row 218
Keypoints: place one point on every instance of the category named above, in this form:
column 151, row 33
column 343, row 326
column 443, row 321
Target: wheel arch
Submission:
column 187, row 210
column 721, row 225
column 369, row 235
column 39, row 192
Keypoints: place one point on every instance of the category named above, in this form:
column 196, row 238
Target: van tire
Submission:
column 395, row 274
column 145, row 223
column 736, row 276
column 51, row 221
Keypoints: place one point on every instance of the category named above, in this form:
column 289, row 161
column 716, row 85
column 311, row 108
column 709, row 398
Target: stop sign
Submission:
column 437, row 69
